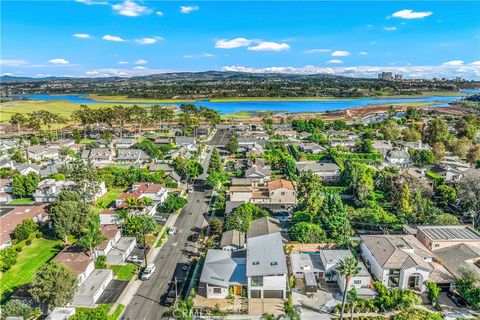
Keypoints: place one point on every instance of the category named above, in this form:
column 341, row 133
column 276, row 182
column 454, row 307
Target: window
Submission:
column 437, row 245
column 274, row 263
column 257, row 281
column 357, row 282
column 282, row 193
column 256, row 263
column 217, row 290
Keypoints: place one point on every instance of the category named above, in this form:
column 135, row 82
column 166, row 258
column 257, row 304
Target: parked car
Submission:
column 459, row 301
column 147, row 273
column 170, row 299
column 135, row 259
column 172, row 231
column 194, row 237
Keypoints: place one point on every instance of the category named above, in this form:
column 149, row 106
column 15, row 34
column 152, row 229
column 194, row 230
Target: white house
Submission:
column 398, row 156
column 5, row 190
column 266, row 267
column 48, row 190
column 402, row 261
column 328, row 171
column 99, row 156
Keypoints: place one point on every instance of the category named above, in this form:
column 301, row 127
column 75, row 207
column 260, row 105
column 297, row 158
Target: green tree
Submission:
column 216, row 163
column 17, row 308
column 359, row 177
column 24, row 230
column 68, row 217
column 232, row 144
column 404, row 205
column 18, row 187
column 140, row 225
column 438, row 150
column 8, row 258
column 91, row 234
column 433, row 291
column 172, row 203
column 309, row 192
column 241, row 218
column 469, row 195
column 54, row 284
column 436, row 131
column 333, row 218
column 446, row 193
column 423, row 158
column 468, row 286
column 217, row 179
column 306, row 232
column 347, row 268
column 19, row 120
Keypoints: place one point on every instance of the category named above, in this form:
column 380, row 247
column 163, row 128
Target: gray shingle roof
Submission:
column 263, row 226
column 222, row 269
column 233, row 237
column 450, row 232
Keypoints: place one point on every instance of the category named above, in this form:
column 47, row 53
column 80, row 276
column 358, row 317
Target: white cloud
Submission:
column 203, row 55
column 122, row 62
column 148, row 40
column 416, row 72
column 121, row 72
column 9, row 74
column 373, row 42
column 390, row 28
column 159, row 13
column 108, row 37
column 140, row 68
column 58, row 61
column 82, row 35
column 475, row 63
column 269, row 46
column 233, row 43
column 130, row 9
column 318, row 51
column 43, row 75
column 363, row 53
column 453, row 63
column 188, row 9
column 340, row 53
column 141, row 61
column 336, row 61
column 410, row 14
column 13, row 62
column 91, row 3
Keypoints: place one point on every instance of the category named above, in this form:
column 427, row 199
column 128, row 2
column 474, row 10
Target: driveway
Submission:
column 112, row 292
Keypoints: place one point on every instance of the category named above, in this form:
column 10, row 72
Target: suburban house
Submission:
column 14, row 217
column 140, row 190
column 310, row 147
column 186, row 142
column 132, row 156
column 233, row 240
column 115, row 247
column 99, row 156
column 398, row 156
column 439, row 237
column 328, row 171
column 307, row 267
column 278, row 196
column 382, row 146
column 26, row 168
column 92, row 282
column 48, row 190
column 266, row 267
column 263, row 226
column 450, row 174
column 344, row 138
column 221, row 271
column 39, row 153
column 125, row 143
column 5, row 190
column 402, row 261
column 361, row 282
column 415, row 145
column 257, row 169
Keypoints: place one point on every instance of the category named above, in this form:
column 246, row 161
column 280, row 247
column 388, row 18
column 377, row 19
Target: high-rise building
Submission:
column 385, row 76
column 398, row 77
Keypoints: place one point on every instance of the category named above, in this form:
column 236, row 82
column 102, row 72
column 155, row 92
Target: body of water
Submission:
column 226, row 107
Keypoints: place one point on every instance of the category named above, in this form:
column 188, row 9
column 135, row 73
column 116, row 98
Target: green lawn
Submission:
column 29, row 261
column 117, row 312
column 108, row 197
column 125, row 272
column 21, row 201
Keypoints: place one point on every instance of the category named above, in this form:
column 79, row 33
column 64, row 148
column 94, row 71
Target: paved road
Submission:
column 146, row 302
column 220, row 137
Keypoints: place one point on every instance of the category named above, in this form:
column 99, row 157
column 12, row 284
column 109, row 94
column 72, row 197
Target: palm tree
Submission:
column 133, row 203
column 92, row 236
column 120, row 217
column 147, row 202
column 352, row 299
column 348, row 268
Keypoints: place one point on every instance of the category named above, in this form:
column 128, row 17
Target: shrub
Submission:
column 8, row 258
column 28, row 242
column 39, row 234
column 23, row 230
column 101, row 262
column 18, row 249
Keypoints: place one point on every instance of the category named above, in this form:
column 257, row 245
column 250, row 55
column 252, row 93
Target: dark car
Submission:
column 170, row 299
column 194, row 237
column 459, row 301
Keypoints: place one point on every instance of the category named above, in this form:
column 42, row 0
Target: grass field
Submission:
column 239, row 115
column 108, row 197
column 29, row 261
column 117, row 312
column 125, row 272
column 21, row 201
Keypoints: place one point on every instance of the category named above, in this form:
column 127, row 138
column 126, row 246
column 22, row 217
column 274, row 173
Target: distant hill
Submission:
column 188, row 76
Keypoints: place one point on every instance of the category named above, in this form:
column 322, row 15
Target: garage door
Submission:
column 273, row 294
column 255, row 294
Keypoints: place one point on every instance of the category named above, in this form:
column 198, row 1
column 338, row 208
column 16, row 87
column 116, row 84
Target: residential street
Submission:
column 146, row 302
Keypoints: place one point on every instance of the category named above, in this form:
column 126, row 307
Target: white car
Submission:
column 172, row 231
column 147, row 273
column 190, row 189
column 134, row 259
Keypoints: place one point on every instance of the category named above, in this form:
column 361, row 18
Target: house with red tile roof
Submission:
column 10, row 220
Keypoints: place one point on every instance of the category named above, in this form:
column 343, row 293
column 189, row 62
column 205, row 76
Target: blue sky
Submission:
column 132, row 37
